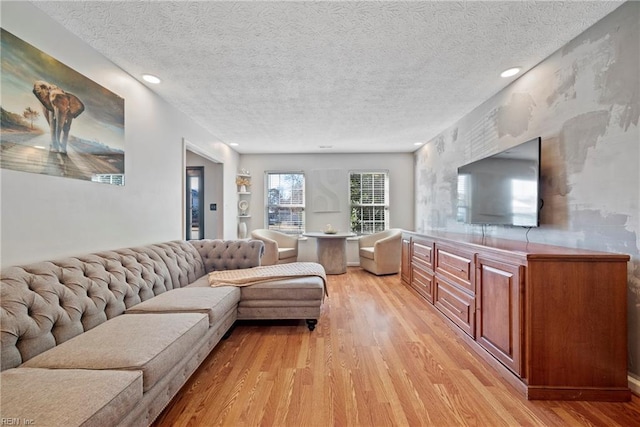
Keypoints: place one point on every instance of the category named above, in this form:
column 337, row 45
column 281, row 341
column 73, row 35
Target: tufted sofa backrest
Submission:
column 47, row 303
column 183, row 261
column 229, row 254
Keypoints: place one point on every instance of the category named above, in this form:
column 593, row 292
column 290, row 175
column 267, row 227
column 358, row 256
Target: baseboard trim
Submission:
column 634, row 384
column 353, row 264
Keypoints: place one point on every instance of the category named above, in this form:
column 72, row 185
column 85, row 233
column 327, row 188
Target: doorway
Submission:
column 194, row 203
column 211, row 193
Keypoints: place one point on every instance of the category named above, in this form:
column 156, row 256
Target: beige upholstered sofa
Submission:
column 279, row 248
column 380, row 252
column 108, row 339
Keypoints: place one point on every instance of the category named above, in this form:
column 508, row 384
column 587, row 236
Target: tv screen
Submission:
column 503, row 189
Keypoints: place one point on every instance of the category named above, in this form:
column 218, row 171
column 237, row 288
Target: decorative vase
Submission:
column 242, row 230
column 243, row 188
column 328, row 229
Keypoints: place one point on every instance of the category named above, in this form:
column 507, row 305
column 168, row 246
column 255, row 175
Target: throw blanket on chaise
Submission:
column 267, row 273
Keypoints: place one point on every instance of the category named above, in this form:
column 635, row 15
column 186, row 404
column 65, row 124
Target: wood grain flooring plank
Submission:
column 379, row 356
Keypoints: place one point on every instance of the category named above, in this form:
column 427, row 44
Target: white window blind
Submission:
column 116, row 179
column 369, row 193
column 464, row 197
column 285, row 202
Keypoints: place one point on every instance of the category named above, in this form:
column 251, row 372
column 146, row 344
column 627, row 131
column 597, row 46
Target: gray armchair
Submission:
column 380, row 252
column 279, row 248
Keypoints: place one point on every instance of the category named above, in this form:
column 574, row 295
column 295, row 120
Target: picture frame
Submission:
column 56, row 121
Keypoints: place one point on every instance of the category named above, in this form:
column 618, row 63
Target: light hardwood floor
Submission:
column 378, row 357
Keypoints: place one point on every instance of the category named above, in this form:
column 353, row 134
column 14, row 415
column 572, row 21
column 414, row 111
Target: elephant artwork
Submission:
column 60, row 108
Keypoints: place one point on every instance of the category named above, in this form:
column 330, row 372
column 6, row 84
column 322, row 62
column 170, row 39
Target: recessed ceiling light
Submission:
column 417, row 143
column 510, row 72
column 233, row 144
column 150, row 78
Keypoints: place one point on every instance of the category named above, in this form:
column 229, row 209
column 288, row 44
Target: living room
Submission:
column 582, row 100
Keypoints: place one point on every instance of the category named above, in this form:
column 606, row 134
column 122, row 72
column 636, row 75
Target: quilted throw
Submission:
column 266, row 273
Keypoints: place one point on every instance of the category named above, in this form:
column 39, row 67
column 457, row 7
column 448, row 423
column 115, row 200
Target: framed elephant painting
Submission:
column 55, row 121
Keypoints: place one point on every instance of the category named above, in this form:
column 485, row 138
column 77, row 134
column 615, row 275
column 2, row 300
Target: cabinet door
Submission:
column 405, row 270
column 499, row 311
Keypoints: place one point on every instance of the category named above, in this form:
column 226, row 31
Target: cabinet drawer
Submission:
column 422, row 282
column 456, row 305
column 456, row 265
column 423, row 252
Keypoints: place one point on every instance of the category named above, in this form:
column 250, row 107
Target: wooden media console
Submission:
column 552, row 320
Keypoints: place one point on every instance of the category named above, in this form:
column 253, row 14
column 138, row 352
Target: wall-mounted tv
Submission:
column 503, row 189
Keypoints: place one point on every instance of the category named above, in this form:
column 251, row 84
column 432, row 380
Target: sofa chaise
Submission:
column 109, row 338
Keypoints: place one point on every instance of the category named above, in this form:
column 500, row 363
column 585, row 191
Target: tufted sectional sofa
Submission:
column 109, row 338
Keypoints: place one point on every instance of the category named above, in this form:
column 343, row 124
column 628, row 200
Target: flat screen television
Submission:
column 502, row 189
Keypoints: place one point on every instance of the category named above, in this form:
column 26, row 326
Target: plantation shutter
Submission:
column 285, row 202
column 369, row 196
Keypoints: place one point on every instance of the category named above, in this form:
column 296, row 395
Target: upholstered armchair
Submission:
column 380, row 252
column 279, row 248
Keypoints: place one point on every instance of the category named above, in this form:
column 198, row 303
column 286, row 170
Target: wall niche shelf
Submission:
column 243, row 181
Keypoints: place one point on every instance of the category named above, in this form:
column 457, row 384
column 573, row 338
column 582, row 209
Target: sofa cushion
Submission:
column 298, row 288
column 367, row 252
column 202, row 282
column 69, row 397
column 215, row 302
column 151, row 343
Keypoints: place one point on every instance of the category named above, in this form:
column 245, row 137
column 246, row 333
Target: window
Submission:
column 464, row 197
column 285, row 202
column 369, row 194
column 109, row 178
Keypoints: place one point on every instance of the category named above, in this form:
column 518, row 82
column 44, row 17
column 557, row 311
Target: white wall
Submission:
column 45, row 217
column 584, row 102
column 400, row 167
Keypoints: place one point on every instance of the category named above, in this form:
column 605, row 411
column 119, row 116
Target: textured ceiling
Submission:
column 296, row 77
